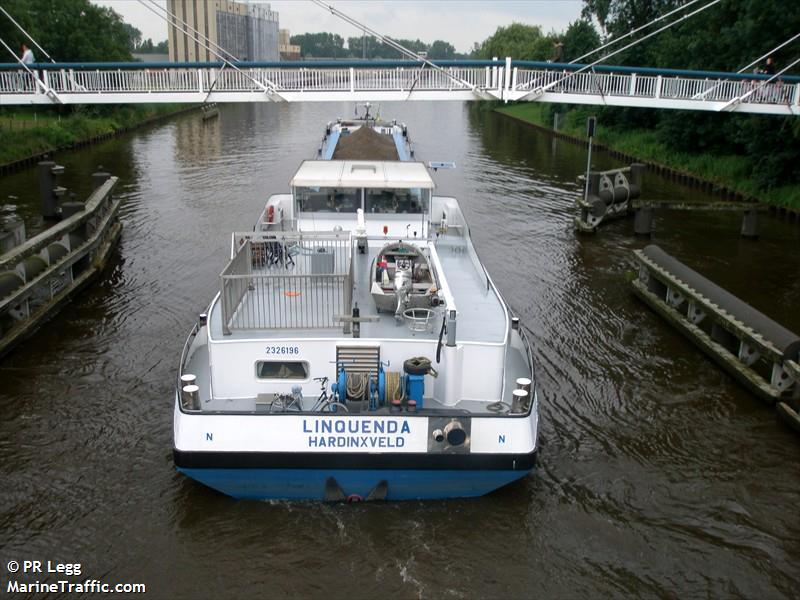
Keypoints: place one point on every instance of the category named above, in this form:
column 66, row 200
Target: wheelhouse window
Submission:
column 328, row 199
column 403, row 200
column 282, row 369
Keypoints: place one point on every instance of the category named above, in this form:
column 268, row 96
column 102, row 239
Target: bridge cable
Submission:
column 393, row 44
column 175, row 18
column 266, row 89
column 27, row 35
column 35, row 77
column 541, row 90
column 633, row 31
column 739, row 99
column 773, row 51
column 755, row 62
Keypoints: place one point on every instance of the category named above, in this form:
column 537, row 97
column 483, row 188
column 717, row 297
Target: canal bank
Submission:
column 722, row 176
column 28, row 134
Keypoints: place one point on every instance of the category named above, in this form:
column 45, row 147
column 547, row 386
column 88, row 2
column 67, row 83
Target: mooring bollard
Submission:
column 99, row 177
column 72, row 208
column 643, row 221
column 607, row 195
column 48, row 190
column 750, row 224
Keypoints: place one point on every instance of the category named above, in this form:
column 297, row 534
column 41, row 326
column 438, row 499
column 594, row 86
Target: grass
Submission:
column 731, row 171
column 26, row 132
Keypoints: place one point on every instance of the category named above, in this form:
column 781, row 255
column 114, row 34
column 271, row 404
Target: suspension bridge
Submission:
column 321, row 81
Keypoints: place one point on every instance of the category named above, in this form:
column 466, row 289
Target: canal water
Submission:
column 657, row 477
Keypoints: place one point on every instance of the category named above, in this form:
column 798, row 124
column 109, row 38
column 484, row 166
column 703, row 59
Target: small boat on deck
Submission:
column 402, row 279
column 357, row 348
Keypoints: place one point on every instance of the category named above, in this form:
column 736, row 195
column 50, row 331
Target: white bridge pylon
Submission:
column 357, row 81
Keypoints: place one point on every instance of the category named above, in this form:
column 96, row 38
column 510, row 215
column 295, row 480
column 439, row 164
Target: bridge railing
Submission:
column 503, row 80
column 657, row 87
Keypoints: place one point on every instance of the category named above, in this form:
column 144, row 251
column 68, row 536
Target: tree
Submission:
column 134, row 37
column 579, row 38
column 377, row 49
column 440, row 50
column 70, row 30
column 522, row 42
column 726, row 37
column 320, row 45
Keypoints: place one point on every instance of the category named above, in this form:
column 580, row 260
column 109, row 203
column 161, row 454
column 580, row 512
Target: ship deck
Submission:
column 481, row 315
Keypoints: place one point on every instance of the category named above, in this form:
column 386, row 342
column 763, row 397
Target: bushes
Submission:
column 751, row 154
column 27, row 132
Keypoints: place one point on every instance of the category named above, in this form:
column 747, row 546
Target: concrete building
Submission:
column 248, row 30
column 288, row 51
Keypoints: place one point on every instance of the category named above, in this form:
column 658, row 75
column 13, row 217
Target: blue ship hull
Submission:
column 355, row 484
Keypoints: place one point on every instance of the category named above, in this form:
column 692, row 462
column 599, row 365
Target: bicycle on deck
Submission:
column 325, row 403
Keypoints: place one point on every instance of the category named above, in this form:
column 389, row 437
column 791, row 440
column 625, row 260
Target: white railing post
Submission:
column 508, row 74
column 352, row 80
column 658, row 86
column 797, row 94
column 514, row 80
column 46, row 79
column 494, row 73
column 200, row 80
column 632, row 91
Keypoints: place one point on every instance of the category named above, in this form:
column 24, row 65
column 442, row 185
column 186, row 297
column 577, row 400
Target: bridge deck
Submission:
column 112, row 83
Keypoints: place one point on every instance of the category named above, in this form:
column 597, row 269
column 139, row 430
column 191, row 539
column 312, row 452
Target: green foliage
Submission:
column 579, row 38
column 377, row 49
column 26, row 132
column 441, row 50
column 523, row 42
column 765, row 177
column 148, row 47
column 330, row 45
column 134, row 37
column 320, row 45
column 760, row 155
column 70, row 30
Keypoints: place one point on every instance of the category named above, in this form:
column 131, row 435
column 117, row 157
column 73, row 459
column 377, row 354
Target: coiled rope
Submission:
column 394, row 386
column 357, row 385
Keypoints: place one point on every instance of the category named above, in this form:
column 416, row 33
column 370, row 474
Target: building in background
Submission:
column 248, row 30
column 287, row 50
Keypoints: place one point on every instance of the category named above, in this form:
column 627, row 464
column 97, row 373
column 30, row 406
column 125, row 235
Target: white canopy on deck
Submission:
column 362, row 173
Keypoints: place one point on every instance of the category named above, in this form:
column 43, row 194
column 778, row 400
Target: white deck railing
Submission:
column 287, row 281
column 175, row 83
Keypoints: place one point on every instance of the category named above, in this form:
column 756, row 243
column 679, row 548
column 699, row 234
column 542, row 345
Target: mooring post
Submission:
column 750, row 224
column 71, row 207
column 643, row 221
column 591, row 122
column 99, row 177
column 48, row 191
column 637, row 171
